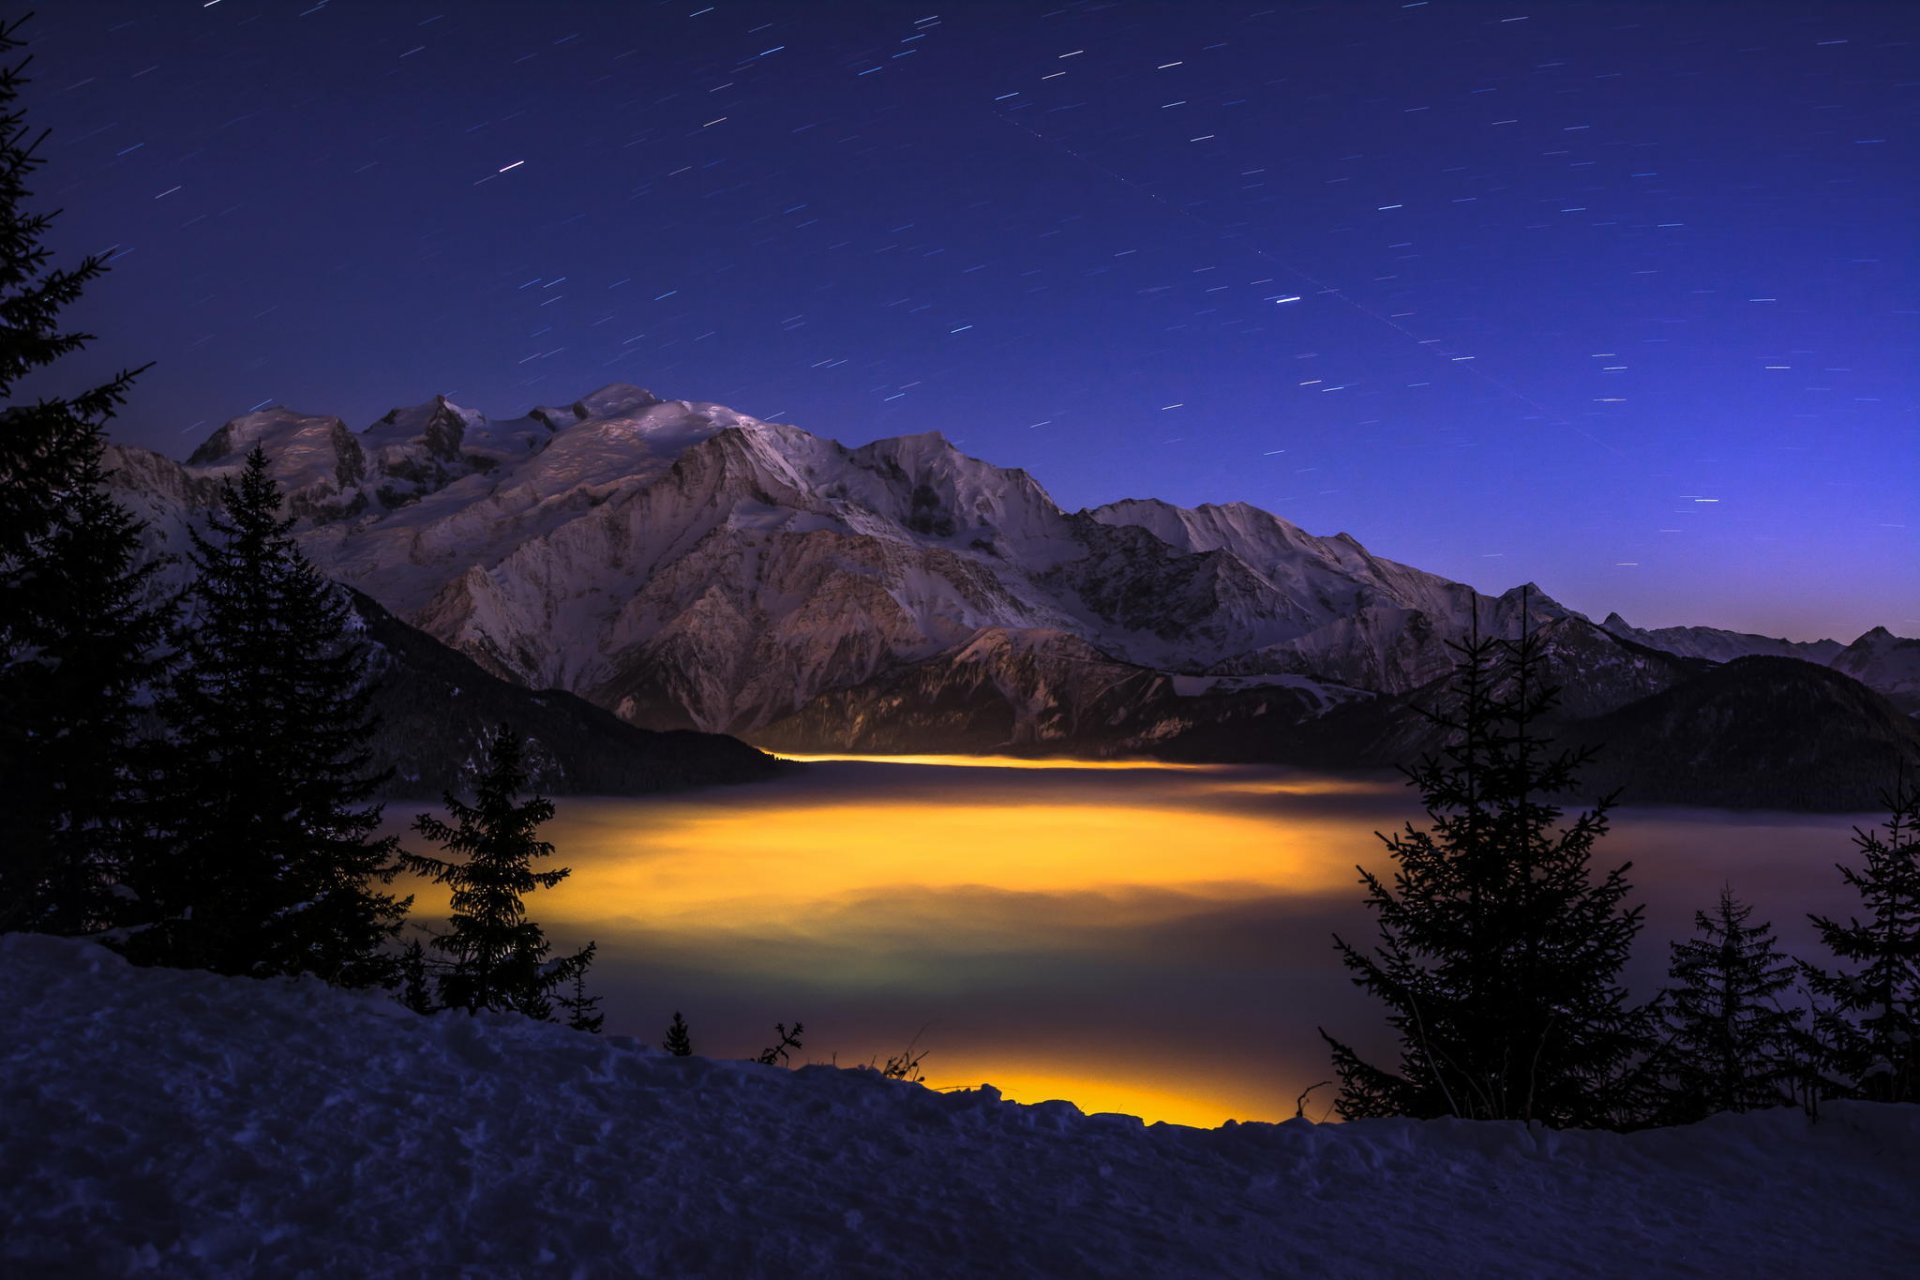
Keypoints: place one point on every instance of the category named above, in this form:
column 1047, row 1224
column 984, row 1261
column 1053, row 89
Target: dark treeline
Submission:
column 188, row 775
column 1500, row 951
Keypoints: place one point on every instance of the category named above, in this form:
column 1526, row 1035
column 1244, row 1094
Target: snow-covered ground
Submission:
column 180, row 1124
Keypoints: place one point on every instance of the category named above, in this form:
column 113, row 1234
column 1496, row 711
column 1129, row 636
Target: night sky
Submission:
column 1622, row 299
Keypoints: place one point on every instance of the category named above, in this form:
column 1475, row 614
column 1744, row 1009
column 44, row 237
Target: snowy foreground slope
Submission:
column 180, row 1124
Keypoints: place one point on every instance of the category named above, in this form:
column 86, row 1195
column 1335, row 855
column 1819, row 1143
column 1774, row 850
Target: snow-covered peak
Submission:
column 683, row 563
column 932, row 489
column 613, row 399
column 281, row 431
column 1325, row 580
column 1886, row 662
column 1717, row 645
column 1258, row 537
column 634, row 443
column 318, row 463
column 440, row 426
column 1541, row 607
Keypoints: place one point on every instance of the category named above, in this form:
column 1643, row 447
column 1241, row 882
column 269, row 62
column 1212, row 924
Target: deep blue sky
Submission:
column 1563, row 271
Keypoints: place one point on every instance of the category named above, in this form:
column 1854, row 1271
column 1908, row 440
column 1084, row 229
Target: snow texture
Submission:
column 685, row 565
column 181, row 1124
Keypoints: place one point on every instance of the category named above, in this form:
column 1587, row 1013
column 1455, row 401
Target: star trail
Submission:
column 1621, row 299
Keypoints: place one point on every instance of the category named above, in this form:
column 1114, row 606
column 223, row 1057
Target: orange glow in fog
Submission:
column 694, row 867
column 1133, row 938
column 999, row 762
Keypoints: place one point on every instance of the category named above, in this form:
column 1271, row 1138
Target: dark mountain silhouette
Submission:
column 439, row 708
column 1765, row 733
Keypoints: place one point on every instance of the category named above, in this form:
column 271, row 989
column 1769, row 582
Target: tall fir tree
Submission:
column 492, row 955
column 1731, row 1043
column 1500, row 955
column 78, row 622
column 1867, row 1015
column 264, row 860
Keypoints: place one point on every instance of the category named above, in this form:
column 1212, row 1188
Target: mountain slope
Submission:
column 1756, row 732
column 437, row 709
column 1718, row 645
column 1886, row 662
column 436, row 705
column 689, row 567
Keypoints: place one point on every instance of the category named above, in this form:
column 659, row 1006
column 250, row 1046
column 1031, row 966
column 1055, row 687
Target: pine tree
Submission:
column 77, row 625
column 494, row 956
column 583, row 1010
column 1731, row 1045
column 264, row 860
column 416, row 988
column 1499, row 954
column 678, row 1042
column 1868, row 1016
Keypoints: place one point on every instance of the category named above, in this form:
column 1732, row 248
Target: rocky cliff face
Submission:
column 686, row 566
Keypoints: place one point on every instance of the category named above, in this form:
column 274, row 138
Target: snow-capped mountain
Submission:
column 1884, row 662
column 1887, row 663
column 1717, row 645
column 687, row 566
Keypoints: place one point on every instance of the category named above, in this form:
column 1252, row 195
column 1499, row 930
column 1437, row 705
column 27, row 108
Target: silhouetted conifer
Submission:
column 1731, row 1044
column 1867, row 1018
column 265, row 860
column 1499, row 954
column 416, row 987
column 494, row 956
column 583, row 1010
column 678, row 1042
column 77, row 625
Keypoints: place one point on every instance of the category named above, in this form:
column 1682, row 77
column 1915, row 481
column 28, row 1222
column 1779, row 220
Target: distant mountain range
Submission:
column 684, row 566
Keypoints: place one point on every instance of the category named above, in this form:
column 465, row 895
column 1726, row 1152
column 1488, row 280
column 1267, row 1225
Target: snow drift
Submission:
column 176, row 1123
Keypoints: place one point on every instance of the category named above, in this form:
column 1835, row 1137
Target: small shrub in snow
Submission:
column 777, row 1054
column 678, row 1042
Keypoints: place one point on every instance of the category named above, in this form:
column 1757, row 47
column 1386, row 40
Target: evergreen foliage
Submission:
column 1867, row 1017
column 1731, row 1045
column 264, row 860
column 583, row 1010
column 416, row 987
column 493, row 956
column 678, row 1042
column 1499, row 954
column 77, row 626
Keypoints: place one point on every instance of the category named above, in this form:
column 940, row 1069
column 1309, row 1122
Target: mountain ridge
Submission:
column 687, row 566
